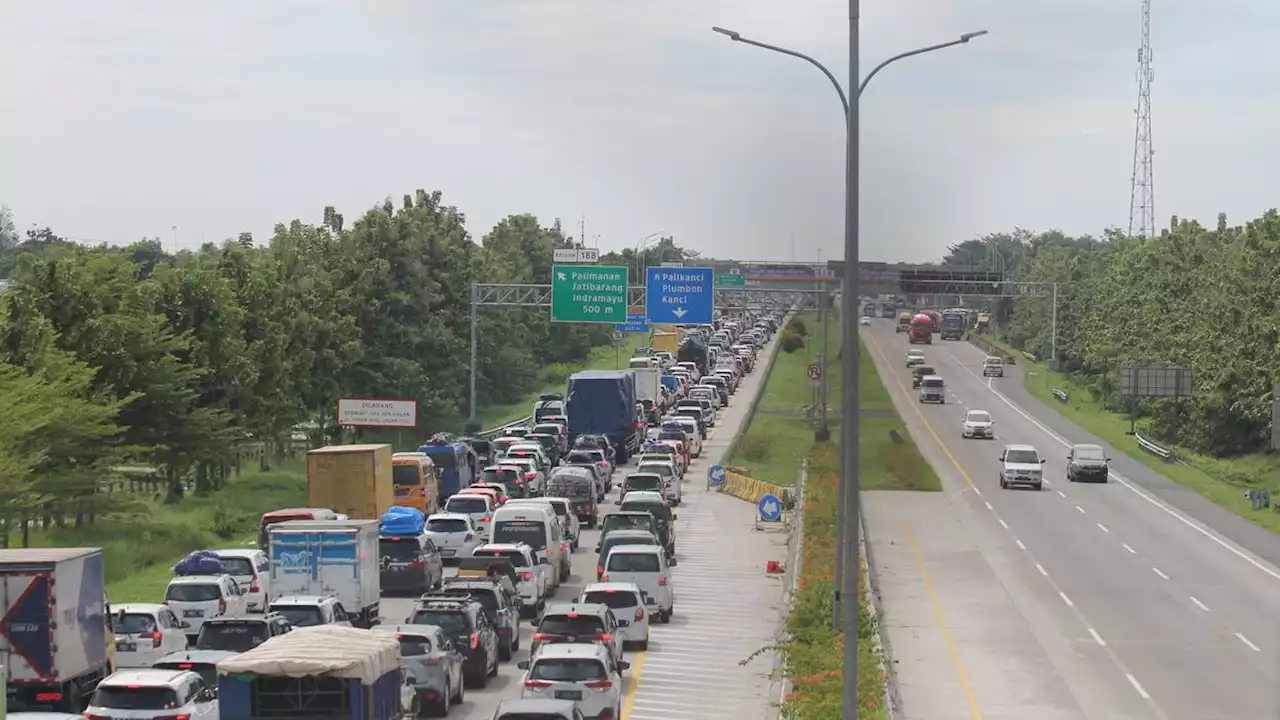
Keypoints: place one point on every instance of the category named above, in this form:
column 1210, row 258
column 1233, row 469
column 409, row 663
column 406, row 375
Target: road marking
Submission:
column 1082, row 510
column 1042, row 570
column 961, row 674
column 1126, row 547
column 1003, row 524
column 1020, row 545
column 1066, row 599
column 1064, row 495
column 1199, row 604
column 1097, row 638
column 1194, row 525
column 1103, row 528
column 1157, row 570
column 990, row 508
column 1245, row 640
column 637, row 667
column 1137, row 686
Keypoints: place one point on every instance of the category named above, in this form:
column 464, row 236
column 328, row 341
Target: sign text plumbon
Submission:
column 680, row 295
column 372, row 412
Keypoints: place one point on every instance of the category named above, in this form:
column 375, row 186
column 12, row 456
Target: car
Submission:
column 145, row 632
column 500, row 601
column 432, row 665
column 659, row 465
column 933, row 389
column 242, row 633
column 302, row 611
column 574, row 622
column 645, row 566
column 651, row 482
column 478, row 506
column 1021, row 465
column 152, row 695
column 196, row 598
column 915, row 357
column 533, row 709
column 409, row 563
column 618, row 538
column 585, row 674
column 626, row 602
column 531, row 446
column 530, row 473
column 978, row 424
column 500, row 445
column 463, row 619
column 508, row 476
column 202, row 662
column 251, row 569
column 532, row 585
column 1088, row 463
column 993, row 367
column 570, row 525
column 454, row 535
column 864, row 320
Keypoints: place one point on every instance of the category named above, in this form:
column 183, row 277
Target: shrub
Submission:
column 797, row 326
column 791, row 341
column 757, row 448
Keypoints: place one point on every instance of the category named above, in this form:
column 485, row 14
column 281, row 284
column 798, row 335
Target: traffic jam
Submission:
column 515, row 574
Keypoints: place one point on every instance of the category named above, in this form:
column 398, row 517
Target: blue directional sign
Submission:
column 680, row 295
column 635, row 325
column 770, row 508
column 716, row 474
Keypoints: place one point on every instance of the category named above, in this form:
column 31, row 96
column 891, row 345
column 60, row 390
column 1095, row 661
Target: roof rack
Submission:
column 442, row 598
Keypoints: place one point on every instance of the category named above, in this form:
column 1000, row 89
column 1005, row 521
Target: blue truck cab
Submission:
column 603, row 402
column 456, row 461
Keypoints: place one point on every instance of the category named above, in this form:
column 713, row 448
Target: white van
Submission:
column 646, row 567
column 535, row 525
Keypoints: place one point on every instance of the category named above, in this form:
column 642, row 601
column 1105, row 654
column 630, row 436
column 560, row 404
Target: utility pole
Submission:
column 1053, row 331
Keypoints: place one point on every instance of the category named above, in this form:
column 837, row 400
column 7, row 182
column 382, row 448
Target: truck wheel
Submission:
column 504, row 651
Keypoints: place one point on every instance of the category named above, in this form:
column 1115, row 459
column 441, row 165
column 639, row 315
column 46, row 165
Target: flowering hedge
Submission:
column 814, row 653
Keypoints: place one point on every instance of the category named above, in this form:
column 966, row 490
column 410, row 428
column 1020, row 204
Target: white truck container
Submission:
column 648, row 383
column 328, row 557
column 55, row 641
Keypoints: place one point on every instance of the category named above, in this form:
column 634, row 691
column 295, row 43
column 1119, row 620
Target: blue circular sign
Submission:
column 716, row 474
column 770, row 508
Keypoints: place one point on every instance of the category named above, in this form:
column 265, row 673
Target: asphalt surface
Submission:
column 1123, row 605
column 726, row 607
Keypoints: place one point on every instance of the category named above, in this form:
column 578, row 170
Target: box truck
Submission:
column 337, row 558
column 353, row 480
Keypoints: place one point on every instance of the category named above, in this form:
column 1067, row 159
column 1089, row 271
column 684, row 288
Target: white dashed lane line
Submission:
column 1199, row 604
column 1157, row 571
column 1245, row 640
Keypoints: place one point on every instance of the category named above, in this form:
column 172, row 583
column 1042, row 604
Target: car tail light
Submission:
column 48, row 697
column 541, row 636
column 599, row 572
column 433, row 660
column 185, row 666
column 254, row 587
column 184, row 716
column 89, row 716
column 530, row 475
column 561, row 546
column 550, row 552
column 222, row 606
column 486, row 518
column 606, row 638
column 662, row 580
column 604, row 578
column 469, row 537
column 526, row 575
column 475, row 640
column 639, row 613
column 155, row 639
column 599, row 685
column 417, row 564
column 537, row 684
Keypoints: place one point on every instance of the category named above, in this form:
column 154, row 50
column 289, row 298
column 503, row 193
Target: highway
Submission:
column 726, row 606
column 1115, row 603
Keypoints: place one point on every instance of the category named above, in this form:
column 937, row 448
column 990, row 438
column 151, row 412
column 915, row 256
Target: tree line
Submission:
column 1197, row 297
column 119, row 356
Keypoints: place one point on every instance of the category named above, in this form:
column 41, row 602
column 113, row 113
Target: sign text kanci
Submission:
column 677, row 287
column 373, row 412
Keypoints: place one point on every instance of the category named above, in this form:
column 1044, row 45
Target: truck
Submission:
column 353, row 480
column 935, row 317
column 55, row 638
column 904, row 322
column 335, row 672
column 648, row 384
column 694, row 350
column 328, row 557
column 603, row 402
column 953, row 326
column 921, row 330
column 668, row 341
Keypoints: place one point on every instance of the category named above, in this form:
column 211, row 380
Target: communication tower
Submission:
column 1142, row 195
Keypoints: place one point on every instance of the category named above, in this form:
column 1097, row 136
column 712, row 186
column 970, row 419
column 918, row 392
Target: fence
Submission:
column 501, row 429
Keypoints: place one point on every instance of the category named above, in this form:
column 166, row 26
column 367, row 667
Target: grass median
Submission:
column 139, row 549
column 1220, row 480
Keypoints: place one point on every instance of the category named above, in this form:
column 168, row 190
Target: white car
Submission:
column 153, row 695
column 454, row 534
column 196, row 598
column 915, row 357
column 533, row 585
column 534, row 478
column 626, row 602
column 584, row 673
column 477, row 506
column 864, row 320
column 691, row 430
column 978, row 424
column 1021, row 465
column 144, row 633
column 646, row 567
column 251, row 570
column 533, row 447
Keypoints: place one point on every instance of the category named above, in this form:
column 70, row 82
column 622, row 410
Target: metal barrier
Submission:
column 501, row 429
column 1154, row 449
column 1030, row 357
column 1060, row 395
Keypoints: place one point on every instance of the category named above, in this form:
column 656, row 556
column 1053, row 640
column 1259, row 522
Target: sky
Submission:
column 123, row 119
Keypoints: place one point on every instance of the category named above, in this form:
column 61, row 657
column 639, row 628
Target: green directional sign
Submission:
column 729, row 280
column 588, row 294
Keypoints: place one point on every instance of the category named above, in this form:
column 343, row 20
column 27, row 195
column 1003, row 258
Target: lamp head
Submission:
column 731, row 34
column 971, row 35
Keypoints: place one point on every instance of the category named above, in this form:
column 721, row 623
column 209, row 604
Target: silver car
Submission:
column 432, row 665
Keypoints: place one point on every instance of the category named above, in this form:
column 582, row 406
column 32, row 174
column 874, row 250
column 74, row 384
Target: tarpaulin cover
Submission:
column 602, row 402
column 328, row 650
column 200, row 562
column 402, row 521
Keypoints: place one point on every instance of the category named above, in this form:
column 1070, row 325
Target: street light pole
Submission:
column 846, row 570
column 642, row 247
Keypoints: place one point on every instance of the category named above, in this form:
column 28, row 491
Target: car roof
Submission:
column 536, row 706
column 239, row 552
column 612, row 586
column 627, row 532
column 521, row 547
column 1090, row 446
column 560, row 651
column 198, row 656
column 148, row 677
column 637, row 549
column 978, row 410
column 1019, row 446
column 448, row 516
column 408, row 629
column 139, row 608
column 303, row 600
column 208, row 579
column 575, row 608
column 931, row 377
column 644, row 496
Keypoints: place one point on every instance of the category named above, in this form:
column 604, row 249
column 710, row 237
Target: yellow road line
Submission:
column 637, row 665
column 952, row 649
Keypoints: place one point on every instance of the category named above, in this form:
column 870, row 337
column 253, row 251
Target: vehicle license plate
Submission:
column 192, row 613
column 568, row 694
column 126, row 646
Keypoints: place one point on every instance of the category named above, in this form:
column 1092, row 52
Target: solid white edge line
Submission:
column 1097, row 638
column 1126, row 547
column 1199, row 604
column 1157, row 571
column 1245, row 640
column 1128, row 484
column 1042, row 570
column 1137, row 686
column 1020, row 545
column 1066, row 599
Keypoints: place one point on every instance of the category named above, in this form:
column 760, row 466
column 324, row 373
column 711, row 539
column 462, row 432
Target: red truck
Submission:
column 935, row 317
column 921, row 330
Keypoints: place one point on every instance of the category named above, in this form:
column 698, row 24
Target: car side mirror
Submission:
column 1002, row 458
column 1108, row 459
column 523, row 664
column 1043, row 460
column 624, row 665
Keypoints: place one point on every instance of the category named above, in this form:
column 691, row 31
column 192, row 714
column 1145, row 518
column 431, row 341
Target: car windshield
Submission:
column 447, row 525
column 1089, row 452
column 567, row 670
column 232, row 636
column 632, row 521
column 529, row 532
column 499, row 475
column 576, row 625
column 466, row 504
column 133, row 624
column 451, row 621
column 300, row 615
column 399, row 549
column 655, row 468
column 239, row 566
column 979, row 417
column 135, row 698
column 189, row 592
column 516, row 557
column 643, row 482
column 615, row 599
column 614, row 541
column 1028, row 457
column 932, row 382
column 633, row 562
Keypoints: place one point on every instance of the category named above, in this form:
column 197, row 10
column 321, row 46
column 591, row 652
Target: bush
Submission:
column 791, row 341
column 756, row 448
column 797, row 326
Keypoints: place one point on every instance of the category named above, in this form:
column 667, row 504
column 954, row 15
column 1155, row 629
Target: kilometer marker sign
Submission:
column 588, row 294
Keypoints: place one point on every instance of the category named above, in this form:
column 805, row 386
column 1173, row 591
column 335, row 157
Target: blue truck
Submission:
column 457, row 462
column 952, row 326
column 603, row 402
column 331, row 671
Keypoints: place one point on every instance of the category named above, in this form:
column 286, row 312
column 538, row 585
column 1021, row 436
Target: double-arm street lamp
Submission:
column 847, row 510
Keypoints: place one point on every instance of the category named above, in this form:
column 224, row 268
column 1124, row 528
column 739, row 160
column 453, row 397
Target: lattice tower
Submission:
column 1142, row 195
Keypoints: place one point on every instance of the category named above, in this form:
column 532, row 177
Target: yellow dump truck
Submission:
column 665, row 341
column 354, row 480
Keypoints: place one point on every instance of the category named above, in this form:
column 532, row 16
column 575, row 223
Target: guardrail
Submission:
column 1160, row 452
column 1060, row 395
column 1030, row 357
column 501, row 429
column 989, row 348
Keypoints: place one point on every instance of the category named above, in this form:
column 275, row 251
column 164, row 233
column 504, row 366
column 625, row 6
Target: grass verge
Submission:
column 555, row 377
column 1220, row 480
column 139, row 551
column 814, row 652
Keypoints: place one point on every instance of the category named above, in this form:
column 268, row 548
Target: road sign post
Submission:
column 680, row 296
column 588, row 294
column 769, row 508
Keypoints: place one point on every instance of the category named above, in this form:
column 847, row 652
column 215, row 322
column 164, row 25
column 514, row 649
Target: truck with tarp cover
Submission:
column 328, row 671
column 953, row 325
column 603, row 402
